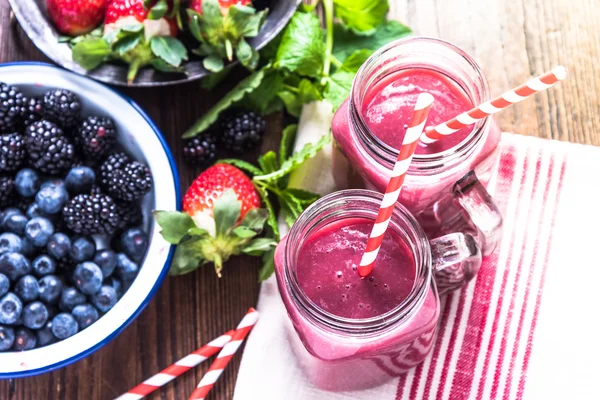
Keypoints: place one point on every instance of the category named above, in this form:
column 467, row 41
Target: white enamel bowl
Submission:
column 142, row 139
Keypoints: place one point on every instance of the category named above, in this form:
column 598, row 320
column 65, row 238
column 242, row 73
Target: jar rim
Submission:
column 418, row 243
column 421, row 163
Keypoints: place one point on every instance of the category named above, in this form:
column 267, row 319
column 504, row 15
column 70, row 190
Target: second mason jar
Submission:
column 445, row 185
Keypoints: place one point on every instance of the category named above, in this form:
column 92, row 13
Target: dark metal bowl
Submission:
column 34, row 20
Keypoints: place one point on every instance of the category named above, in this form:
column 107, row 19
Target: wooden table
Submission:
column 512, row 40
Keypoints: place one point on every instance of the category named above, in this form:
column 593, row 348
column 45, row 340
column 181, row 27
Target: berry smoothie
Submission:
column 351, row 333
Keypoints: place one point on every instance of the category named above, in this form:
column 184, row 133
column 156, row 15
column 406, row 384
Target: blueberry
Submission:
column 114, row 283
column 7, row 337
column 7, row 213
column 45, row 335
column 27, row 289
column 35, row 315
column 83, row 249
column 4, row 284
column 59, row 245
column 14, row 265
column 70, row 298
column 50, row 289
column 51, row 198
column 88, row 277
column 105, row 299
column 80, row 180
column 16, row 224
column 43, row 265
column 64, row 326
column 134, row 242
column 9, row 242
column 34, row 210
column 27, row 247
column 39, row 230
column 53, row 182
column 107, row 261
column 25, row 339
column 126, row 269
column 27, row 182
column 85, row 315
column 10, row 309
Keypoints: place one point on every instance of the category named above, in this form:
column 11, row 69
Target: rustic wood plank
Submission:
column 511, row 40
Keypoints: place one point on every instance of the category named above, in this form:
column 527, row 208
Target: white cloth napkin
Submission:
column 526, row 327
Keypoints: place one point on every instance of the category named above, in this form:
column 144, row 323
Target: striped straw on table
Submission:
column 185, row 364
column 501, row 102
column 392, row 192
column 217, row 367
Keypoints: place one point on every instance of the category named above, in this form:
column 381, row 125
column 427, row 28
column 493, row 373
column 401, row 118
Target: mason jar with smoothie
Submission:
column 445, row 185
column 352, row 333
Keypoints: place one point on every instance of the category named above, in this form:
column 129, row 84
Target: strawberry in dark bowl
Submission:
column 149, row 42
column 80, row 253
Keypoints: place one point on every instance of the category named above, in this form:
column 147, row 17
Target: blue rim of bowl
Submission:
column 163, row 274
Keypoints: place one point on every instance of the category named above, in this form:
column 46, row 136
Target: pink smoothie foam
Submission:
column 326, row 272
column 388, row 106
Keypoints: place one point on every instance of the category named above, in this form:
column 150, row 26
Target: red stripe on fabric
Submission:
column 415, row 382
column 142, row 389
column 463, row 378
column 521, row 268
column 500, row 102
column 477, row 113
column 524, row 91
column 175, row 370
column 490, row 347
column 540, row 293
column 452, row 344
column 401, row 385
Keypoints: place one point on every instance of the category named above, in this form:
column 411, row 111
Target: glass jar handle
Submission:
column 456, row 260
column 481, row 209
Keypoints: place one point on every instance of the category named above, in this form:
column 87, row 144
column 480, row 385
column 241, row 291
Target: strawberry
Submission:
column 221, row 218
column 76, row 17
column 224, row 5
column 137, row 35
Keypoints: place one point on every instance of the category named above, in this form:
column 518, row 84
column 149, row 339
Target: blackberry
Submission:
column 96, row 137
column 242, row 131
column 12, row 104
column 114, row 162
column 201, row 150
column 130, row 213
column 89, row 214
column 50, row 151
column 62, row 107
column 130, row 183
column 12, row 152
column 7, row 191
column 33, row 111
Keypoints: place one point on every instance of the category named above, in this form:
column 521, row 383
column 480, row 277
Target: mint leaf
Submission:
column 306, row 92
column 255, row 219
column 175, row 225
column 302, row 48
column 308, row 151
column 169, row 49
column 244, row 87
column 272, row 220
column 346, row 42
column 362, row 16
column 268, row 162
column 356, row 60
column 91, row 52
column 294, row 202
column 209, row 82
column 288, row 137
column 243, row 232
column 268, row 266
column 338, row 87
column 264, row 99
column 304, row 197
column 259, row 246
column 243, row 165
column 161, row 65
column 226, row 211
column 159, row 10
column 213, row 63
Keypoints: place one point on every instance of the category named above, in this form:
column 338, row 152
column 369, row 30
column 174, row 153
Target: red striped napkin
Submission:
column 526, row 328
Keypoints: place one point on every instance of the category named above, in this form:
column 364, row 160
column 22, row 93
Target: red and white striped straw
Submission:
column 185, row 364
column 392, row 192
column 217, row 367
column 509, row 98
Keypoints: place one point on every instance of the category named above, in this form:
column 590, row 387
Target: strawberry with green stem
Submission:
column 138, row 32
column 221, row 218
